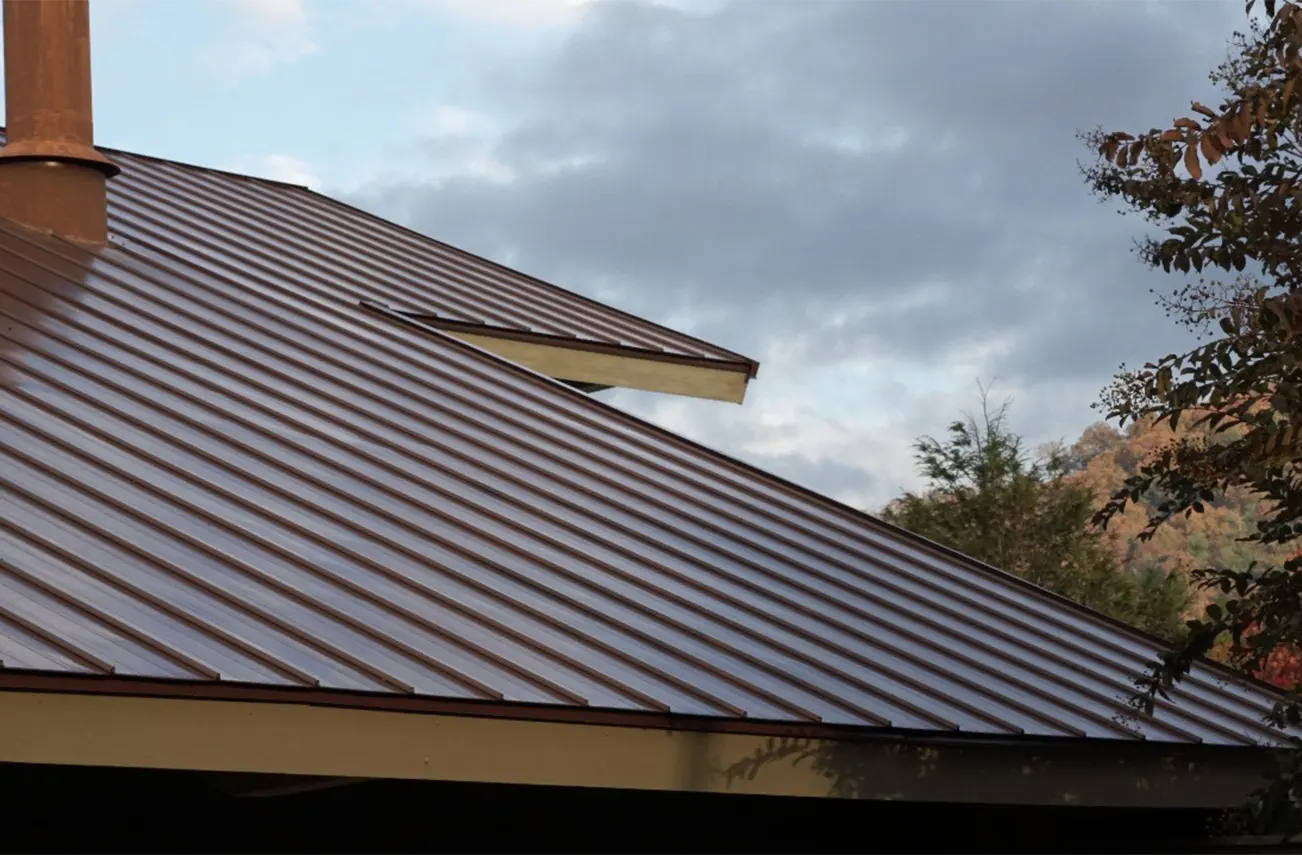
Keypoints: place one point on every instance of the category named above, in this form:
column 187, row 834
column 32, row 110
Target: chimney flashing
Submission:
column 61, row 151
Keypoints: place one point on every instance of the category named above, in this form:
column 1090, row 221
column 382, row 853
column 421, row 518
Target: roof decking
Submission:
column 214, row 471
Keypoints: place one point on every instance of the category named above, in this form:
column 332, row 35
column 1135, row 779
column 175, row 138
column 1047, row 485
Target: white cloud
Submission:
column 457, row 142
column 265, row 34
column 275, row 13
column 279, row 168
column 513, row 13
column 450, row 120
column 535, row 14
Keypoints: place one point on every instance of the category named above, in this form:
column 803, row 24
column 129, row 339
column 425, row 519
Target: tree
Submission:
column 1103, row 458
column 1282, row 667
column 989, row 500
column 1225, row 186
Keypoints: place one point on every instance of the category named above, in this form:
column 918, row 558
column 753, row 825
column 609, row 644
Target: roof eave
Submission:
column 580, row 361
column 172, row 725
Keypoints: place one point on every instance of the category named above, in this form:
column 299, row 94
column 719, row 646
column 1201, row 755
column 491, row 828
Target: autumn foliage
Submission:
column 1104, row 458
column 1282, row 666
column 1222, row 188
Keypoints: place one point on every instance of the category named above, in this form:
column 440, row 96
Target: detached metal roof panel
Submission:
column 216, row 470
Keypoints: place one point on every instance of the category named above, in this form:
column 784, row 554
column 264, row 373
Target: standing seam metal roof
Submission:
column 283, row 230
column 217, row 468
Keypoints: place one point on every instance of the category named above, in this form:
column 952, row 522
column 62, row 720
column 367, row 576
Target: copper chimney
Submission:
column 51, row 177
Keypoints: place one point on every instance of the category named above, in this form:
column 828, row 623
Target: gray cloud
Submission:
column 907, row 169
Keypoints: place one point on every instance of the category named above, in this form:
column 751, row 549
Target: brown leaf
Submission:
column 1136, row 150
column 1188, row 123
column 1223, row 136
column 1171, row 136
column 1191, row 162
column 1230, row 125
column 1204, row 109
column 1242, row 125
column 1208, row 145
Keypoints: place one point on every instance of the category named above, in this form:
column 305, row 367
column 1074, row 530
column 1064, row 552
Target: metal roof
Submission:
column 286, row 231
column 208, row 472
column 218, row 471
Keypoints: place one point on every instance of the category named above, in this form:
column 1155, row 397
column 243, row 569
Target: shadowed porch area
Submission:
column 107, row 809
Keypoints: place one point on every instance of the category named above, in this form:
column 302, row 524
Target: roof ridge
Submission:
column 274, row 182
column 462, row 287
column 429, row 239
column 227, row 172
column 531, row 278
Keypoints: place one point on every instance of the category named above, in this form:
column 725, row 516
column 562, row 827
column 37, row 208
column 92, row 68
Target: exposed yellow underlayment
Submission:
column 614, row 370
column 299, row 739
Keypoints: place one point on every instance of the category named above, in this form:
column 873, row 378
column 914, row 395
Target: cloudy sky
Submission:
column 878, row 200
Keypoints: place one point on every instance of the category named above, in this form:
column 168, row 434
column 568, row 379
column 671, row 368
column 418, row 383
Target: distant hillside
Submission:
column 1104, row 457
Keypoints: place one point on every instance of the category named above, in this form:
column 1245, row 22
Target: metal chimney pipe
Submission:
column 51, row 177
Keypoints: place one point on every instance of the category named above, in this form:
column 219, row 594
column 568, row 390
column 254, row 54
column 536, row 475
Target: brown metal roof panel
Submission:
column 324, row 239
column 1136, row 660
column 107, row 646
column 86, row 304
column 315, row 492
column 579, row 461
column 371, row 583
column 257, row 220
column 228, row 514
column 24, row 650
column 341, row 628
column 226, row 620
column 566, row 313
column 855, row 564
column 119, row 430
